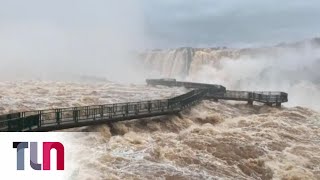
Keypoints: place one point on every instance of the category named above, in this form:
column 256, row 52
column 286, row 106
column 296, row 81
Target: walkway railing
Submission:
column 63, row 118
column 220, row 92
column 55, row 119
column 259, row 96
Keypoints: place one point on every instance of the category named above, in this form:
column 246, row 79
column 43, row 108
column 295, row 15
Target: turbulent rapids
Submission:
column 213, row 140
column 65, row 118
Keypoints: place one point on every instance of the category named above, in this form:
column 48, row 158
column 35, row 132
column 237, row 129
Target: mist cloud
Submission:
column 292, row 70
column 60, row 39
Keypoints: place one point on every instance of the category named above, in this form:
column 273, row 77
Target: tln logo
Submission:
column 47, row 146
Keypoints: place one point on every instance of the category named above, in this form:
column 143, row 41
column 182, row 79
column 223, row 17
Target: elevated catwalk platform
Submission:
column 220, row 92
column 64, row 118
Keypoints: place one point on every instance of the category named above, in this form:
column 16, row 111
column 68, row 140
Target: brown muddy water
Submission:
column 212, row 140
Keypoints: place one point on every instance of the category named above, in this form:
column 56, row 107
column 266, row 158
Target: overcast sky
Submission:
column 205, row 22
column 93, row 37
column 167, row 23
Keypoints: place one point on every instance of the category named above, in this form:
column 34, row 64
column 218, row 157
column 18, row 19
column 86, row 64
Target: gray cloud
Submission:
column 94, row 37
column 207, row 22
column 69, row 38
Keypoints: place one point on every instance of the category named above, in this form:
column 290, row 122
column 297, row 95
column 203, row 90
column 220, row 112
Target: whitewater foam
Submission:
column 213, row 140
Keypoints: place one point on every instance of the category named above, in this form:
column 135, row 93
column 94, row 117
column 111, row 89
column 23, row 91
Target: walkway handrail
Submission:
column 33, row 120
column 62, row 118
column 220, row 92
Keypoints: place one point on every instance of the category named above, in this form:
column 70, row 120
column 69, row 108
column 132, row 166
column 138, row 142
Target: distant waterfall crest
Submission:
column 293, row 68
column 187, row 62
column 184, row 62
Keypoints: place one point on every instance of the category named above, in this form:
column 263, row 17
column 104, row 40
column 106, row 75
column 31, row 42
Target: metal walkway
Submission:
column 219, row 92
column 64, row 118
column 56, row 119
